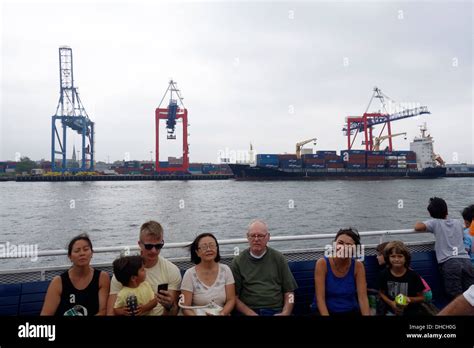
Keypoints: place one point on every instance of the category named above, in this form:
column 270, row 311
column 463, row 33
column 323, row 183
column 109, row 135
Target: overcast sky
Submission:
column 270, row 73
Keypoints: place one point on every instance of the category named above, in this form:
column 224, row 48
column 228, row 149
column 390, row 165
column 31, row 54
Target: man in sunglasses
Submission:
column 159, row 271
column 264, row 284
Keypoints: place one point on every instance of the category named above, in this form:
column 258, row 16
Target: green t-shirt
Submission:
column 261, row 283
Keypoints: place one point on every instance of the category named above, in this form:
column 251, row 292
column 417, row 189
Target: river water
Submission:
column 49, row 214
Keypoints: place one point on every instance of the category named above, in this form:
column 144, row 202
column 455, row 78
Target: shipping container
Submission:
column 264, row 159
column 334, row 161
column 267, row 156
column 376, row 166
column 324, row 152
column 266, row 166
column 335, row 165
column 313, row 156
column 355, row 165
column 291, row 163
column 131, row 164
column 332, row 157
column 375, row 153
column 314, row 166
column 315, row 161
column 287, row 157
column 357, row 152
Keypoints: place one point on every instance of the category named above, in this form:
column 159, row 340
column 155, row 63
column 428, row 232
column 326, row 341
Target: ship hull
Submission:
column 247, row 172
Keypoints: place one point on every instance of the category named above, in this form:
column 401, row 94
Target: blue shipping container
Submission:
column 263, row 159
column 315, row 166
column 267, row 156
column 313, row 156
column 268, row 165
column 326, row 152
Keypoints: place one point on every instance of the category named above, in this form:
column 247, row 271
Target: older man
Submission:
column 158, row 271
column 264, row 283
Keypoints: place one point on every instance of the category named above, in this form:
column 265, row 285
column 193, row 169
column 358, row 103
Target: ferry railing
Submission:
column 180, row 245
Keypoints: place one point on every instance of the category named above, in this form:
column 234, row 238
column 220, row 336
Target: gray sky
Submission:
column 242, row 68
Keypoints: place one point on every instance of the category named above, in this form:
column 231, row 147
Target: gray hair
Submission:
column 257, row 221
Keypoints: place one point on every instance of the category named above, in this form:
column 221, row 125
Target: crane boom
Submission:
column 379, row 140
column 301, row 144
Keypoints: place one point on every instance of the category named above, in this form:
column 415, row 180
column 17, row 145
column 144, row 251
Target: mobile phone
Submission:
column 162, row 287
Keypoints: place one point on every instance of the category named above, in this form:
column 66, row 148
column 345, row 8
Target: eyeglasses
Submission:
column 156, row 246
column 257, row 236
column 204, row 247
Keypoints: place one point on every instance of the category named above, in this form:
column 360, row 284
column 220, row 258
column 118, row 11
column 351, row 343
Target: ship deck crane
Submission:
column 301, row 144
column 380, row 140
column 366, row 122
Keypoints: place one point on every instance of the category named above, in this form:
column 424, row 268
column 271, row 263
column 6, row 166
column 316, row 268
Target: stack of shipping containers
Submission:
column 375, row 159
column 331, row 159
column 195, row 168
column 391, row 159
column 354, row 159
column 287, row 161
column 148, row 168
column 410, row 159
column 314, row 161
column 268, row 161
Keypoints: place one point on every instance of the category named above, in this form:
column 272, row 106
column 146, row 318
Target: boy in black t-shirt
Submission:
column 398, row 279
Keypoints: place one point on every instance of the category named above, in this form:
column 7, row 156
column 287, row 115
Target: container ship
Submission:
column 419, row 162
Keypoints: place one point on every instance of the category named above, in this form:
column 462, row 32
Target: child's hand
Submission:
column 396, row 308
column 122, row 311
column 141, row 310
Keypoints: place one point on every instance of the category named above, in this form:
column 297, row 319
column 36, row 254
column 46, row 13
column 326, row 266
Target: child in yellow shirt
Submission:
column 136, row 297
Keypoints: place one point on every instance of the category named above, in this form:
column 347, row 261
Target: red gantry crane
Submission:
column 366, row 122
column 172, row 114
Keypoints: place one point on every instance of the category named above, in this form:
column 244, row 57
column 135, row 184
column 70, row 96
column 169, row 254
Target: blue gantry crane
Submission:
column 72, row 114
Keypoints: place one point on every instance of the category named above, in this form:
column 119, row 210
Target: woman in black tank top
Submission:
column 81, row 290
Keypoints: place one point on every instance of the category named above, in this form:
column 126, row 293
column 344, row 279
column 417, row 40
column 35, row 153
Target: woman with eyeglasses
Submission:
column 341, row 287
column 81, row 290
column 209, row 282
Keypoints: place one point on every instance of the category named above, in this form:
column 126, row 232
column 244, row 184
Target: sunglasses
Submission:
column 156, row 246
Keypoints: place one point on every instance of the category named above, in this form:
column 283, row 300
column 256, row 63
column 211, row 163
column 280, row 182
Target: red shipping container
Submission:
column 314, row 161
column 335, row 165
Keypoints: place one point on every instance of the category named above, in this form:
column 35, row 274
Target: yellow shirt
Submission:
column 143, row 292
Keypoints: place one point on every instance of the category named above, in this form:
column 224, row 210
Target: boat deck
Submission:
column 22, row 292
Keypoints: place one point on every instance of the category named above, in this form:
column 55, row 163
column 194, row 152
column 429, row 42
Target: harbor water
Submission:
column 49, row 214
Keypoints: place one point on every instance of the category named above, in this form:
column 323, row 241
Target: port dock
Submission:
column 26, row 178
